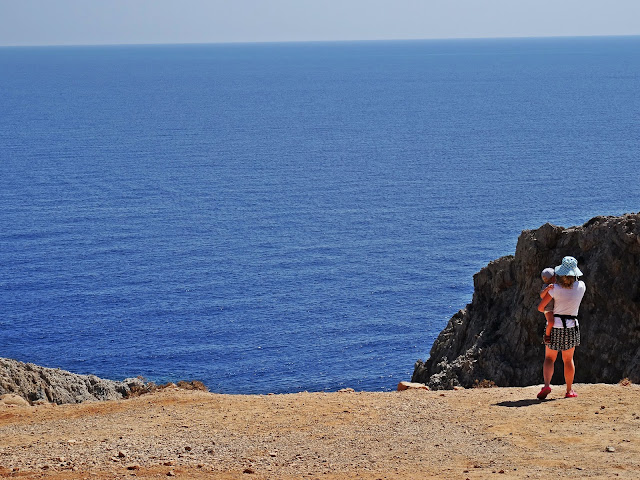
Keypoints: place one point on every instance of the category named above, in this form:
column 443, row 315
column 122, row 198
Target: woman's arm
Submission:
column 545, row 290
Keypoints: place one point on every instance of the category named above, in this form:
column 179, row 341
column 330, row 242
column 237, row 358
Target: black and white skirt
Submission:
column 565, row 338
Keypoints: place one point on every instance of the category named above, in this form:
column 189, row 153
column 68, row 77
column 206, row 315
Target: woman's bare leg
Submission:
column 547, row 368
column 569, row 367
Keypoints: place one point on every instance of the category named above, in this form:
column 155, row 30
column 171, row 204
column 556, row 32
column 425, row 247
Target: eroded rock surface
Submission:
column 51, row 385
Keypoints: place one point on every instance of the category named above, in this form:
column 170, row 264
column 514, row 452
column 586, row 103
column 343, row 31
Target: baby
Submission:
column 549, row 278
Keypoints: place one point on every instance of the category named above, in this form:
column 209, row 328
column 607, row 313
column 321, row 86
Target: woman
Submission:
column 567, row 294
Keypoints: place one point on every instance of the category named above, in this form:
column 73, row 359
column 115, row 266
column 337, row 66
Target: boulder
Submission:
column 497, row 337
column 12, row 399
column 411, row 386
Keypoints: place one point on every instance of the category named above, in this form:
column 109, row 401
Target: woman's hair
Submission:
column 566, row 281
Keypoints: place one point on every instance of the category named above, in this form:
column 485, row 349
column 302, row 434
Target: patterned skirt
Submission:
column 565, row 338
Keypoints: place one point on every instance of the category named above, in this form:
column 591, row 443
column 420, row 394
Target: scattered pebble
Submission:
column 610, row 449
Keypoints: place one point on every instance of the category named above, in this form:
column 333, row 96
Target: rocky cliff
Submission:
column 497, row 337
column 51, row 385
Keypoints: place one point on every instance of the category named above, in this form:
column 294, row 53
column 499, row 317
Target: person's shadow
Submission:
column 526, row 402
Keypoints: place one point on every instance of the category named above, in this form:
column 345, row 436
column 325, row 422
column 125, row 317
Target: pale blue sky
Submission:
column 78, row 22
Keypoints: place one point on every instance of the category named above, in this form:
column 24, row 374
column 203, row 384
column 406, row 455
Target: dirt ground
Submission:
column 502, row 433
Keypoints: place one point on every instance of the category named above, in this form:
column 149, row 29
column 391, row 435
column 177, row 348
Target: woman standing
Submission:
column 567, row 294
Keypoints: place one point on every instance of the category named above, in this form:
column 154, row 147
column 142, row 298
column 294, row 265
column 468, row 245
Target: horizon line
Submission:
column 257, row 42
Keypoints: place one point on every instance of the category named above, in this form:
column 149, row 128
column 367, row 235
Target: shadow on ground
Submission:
column 527, row 402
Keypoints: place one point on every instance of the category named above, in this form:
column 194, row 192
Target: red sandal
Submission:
column 544, row 392
column 571, row 394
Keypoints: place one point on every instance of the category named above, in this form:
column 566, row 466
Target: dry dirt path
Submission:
column 502, row 433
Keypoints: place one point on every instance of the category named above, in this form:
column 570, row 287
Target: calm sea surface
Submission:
column 286, row 217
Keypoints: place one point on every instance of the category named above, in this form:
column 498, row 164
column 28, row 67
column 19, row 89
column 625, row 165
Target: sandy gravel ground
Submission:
column 502, row 433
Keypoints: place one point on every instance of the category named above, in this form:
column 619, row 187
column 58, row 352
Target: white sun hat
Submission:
column 569, row 268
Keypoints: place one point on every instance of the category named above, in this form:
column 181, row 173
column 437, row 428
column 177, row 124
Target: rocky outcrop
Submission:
column 497, row 337
column 51, row 385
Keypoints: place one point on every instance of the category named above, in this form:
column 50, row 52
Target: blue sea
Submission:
column 290, row 216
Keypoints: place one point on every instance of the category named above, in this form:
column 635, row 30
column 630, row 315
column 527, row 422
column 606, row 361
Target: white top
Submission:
column 567, row 301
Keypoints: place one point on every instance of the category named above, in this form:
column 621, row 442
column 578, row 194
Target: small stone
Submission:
column 248, row 470
column 133, row 467
column 122, row 454
column 187, row 448
column 610, row 449
column 169, row 463
column 171, row 473
column 273, row 454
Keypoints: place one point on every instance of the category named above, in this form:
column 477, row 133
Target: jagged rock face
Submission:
column 498, row 336
column 39, row 384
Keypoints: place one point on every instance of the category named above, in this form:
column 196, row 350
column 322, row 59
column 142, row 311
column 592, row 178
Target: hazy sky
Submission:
column 70, row 22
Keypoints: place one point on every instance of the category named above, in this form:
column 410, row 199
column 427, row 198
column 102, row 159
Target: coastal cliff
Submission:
column 497, row 337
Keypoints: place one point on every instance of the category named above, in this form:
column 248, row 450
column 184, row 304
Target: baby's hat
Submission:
column 547, row 273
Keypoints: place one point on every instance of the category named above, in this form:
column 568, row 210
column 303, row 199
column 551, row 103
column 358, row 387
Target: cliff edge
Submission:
column 497, row 337
column 51, row 385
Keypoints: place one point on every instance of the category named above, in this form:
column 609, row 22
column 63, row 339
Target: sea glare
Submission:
column 292, row 216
